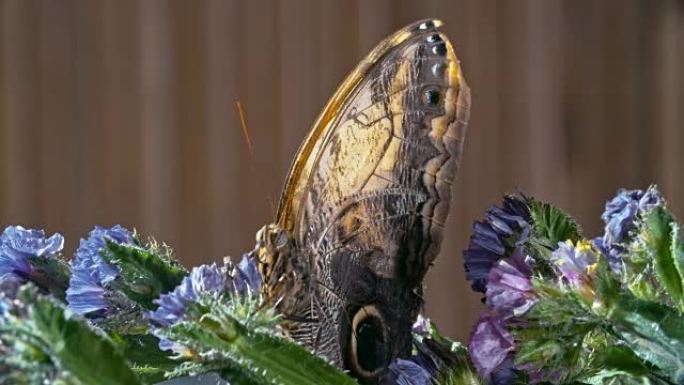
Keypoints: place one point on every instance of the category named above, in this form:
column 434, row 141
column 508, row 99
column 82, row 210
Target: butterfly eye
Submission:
column 368, row 348
column 431, row 97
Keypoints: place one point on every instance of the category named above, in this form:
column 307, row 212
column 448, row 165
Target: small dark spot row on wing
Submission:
column 439, row 49
column 430, row 24
column 431, row 97
column 434, row 38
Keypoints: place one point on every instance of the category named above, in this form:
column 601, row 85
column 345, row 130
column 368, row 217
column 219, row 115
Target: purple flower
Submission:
column 91, row 273
column 173, row 305
column 505, row 374
column 491, row 347
column 246, row 275
column 502, row 230
column 620, row 215
column 18, row 245
column 206, row 279
column 9, row 286
column 509, row 286
column 408, row 372
column 422, row 326
column 572, row 262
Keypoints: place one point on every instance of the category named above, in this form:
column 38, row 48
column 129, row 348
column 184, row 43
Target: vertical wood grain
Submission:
column 299, row 73
column 375, row 18
column 224, row 132
column 338, row 27
column 189, row 39
column 544, row 66
column 159, row 136
column 121, row 112
column 63, row 125
column 585, row 117
column 263, row 171
column 90, row 140
column 21, row 26
column 668, row 101
column 3, row 102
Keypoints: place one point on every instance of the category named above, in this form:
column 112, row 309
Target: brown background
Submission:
column 123, row 112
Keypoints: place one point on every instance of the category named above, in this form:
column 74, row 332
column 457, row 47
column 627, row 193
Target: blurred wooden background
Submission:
column 124, row 111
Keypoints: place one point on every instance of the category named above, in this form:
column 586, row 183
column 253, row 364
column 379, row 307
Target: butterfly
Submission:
column 362, row 213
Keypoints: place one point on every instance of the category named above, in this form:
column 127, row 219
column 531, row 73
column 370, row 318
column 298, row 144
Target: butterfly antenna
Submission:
column 243, row 124
column 250, row 149
column 271, row 205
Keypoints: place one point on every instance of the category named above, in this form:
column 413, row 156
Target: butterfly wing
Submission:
column 368, row 194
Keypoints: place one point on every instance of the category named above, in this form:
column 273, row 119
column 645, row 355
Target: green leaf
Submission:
column 460, row 372
column 145, row 274
column 246, row 352
column 618, row 377
column 85, row 356
column 51, row 275
column 538, row 351
column 256, row 358
column 608, row 288
column 619, row 365
column 623, row 359
column 658, row 236
column 677, row 253
column 459, row 375
column 653, row 331
column 147, row 360
column 552, row 225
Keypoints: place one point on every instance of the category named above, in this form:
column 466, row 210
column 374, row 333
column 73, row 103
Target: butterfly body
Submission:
column 362, row 213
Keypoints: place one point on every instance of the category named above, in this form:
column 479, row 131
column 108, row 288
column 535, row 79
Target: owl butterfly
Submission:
column 364, row 206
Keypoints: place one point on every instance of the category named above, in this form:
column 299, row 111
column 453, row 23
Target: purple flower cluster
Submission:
column 246, row 276
column 90, row 273
column 509, row 288
column 9, row 287
column 172, row 307
column 500, row 266
column 572, row 262
column 491, row 349
column 620, row 217
column 202, row 279
column 18, row 246
column 502, row 230
column 422, row 326
column 497, row 264
column 509, row 294
column 408, row 372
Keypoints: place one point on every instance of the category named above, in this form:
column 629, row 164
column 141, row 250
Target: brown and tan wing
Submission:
column 392, row 134
column 368, row 193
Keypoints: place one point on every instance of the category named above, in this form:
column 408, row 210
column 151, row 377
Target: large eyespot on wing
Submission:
column 376, row 170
